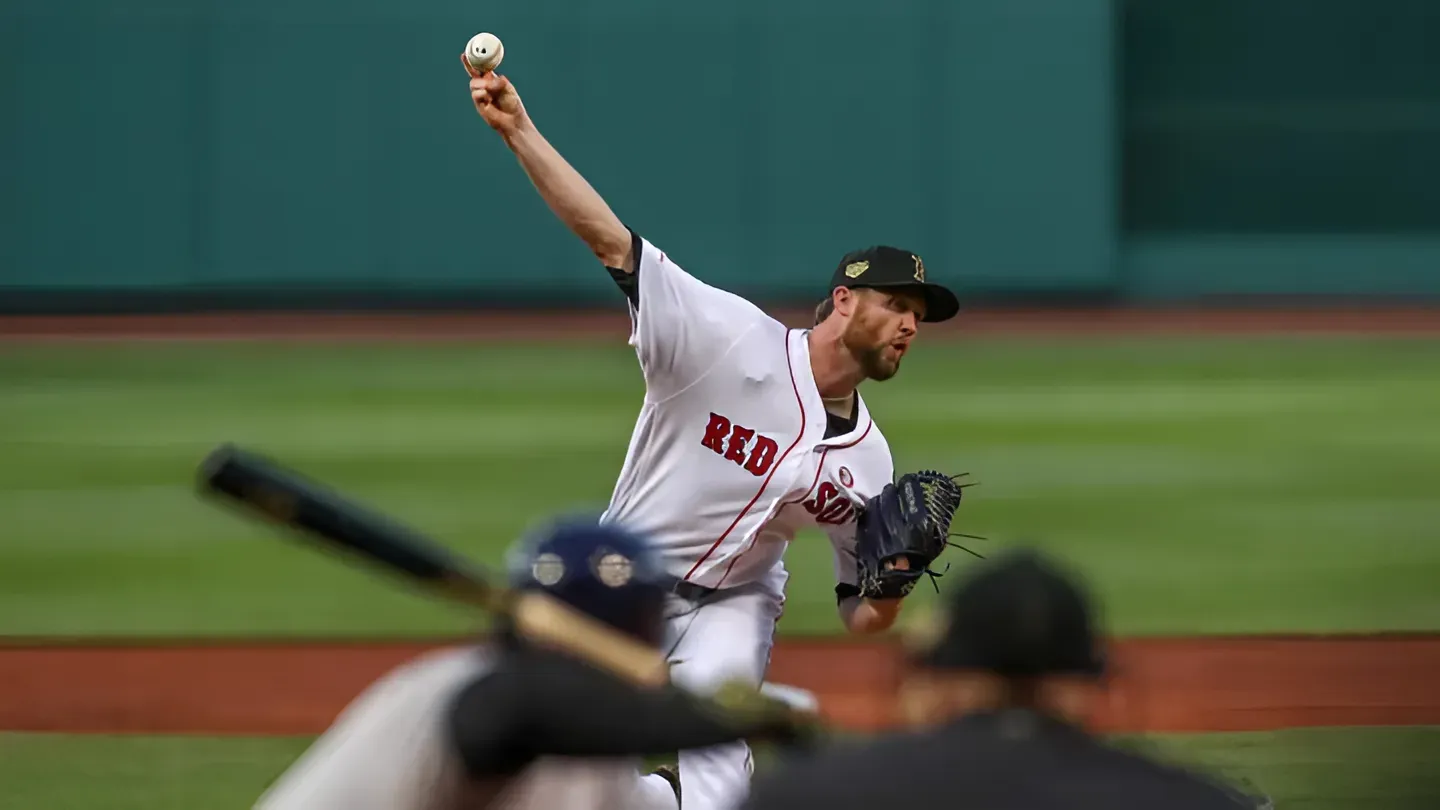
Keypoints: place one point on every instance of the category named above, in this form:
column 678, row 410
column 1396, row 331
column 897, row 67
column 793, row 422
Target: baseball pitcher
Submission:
column 749, row 432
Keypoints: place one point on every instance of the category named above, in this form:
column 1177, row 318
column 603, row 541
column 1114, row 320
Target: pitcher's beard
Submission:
column 872, row 360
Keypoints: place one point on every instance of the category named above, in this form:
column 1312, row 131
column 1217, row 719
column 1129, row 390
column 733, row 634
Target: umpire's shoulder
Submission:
column 825, row 778
column 1182, row 787
column 795, row 782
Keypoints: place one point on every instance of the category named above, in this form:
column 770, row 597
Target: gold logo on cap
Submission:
column 854, row 269
column 919, row 268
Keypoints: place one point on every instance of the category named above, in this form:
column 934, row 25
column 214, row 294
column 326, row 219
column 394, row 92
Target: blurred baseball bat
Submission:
column 265, row 489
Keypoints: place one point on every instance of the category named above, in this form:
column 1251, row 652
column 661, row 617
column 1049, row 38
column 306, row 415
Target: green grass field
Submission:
column 1298, row 473
column 1311, row 769
column 1207, row 485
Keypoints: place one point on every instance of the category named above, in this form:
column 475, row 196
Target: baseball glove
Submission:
column 908, row 519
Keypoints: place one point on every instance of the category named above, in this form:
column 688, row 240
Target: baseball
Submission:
column 484, row 52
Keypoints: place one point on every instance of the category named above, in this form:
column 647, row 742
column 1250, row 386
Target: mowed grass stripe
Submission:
column 1223, row 486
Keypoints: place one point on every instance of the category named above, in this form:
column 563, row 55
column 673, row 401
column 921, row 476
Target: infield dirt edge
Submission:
column 1174, row 684
column 1239, row 683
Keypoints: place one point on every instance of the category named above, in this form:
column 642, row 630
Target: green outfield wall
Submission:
column 274, row 151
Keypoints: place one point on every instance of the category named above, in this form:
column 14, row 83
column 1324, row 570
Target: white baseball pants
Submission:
column 723, row 637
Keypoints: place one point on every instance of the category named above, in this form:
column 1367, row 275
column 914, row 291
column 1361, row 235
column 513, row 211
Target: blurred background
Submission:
column 161, row 153
column 1086, row 161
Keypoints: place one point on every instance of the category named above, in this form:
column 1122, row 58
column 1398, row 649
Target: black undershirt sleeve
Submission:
column 538, row 704
column 629, row 283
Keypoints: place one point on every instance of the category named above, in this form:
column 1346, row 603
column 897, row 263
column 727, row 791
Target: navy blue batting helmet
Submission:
column 604, row 570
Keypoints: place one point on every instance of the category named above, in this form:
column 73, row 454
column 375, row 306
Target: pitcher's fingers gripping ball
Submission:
column 484, row 52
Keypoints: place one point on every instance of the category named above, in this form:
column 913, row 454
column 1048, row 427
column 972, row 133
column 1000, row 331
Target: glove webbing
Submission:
column 942, row 498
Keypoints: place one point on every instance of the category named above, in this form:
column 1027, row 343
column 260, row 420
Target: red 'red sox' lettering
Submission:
column 751, row 451
column 827, row 508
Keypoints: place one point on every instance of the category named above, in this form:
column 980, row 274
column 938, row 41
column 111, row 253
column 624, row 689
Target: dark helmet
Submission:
column 604, row 570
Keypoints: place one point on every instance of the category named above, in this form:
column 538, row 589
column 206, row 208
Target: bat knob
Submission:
column 215, row 462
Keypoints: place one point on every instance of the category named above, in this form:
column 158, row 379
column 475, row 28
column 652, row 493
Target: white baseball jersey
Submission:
column 729, row 457
column 388, row 751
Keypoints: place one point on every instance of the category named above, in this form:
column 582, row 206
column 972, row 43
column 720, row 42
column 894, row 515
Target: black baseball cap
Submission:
column 1017, row 615
column 890, row 268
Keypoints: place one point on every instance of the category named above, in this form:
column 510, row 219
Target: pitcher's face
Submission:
column 880, row 329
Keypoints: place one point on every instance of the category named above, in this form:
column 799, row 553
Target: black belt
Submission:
column 693, row 592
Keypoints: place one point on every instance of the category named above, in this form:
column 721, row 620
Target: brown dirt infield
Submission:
column 1177, row 684
column 565, row 325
